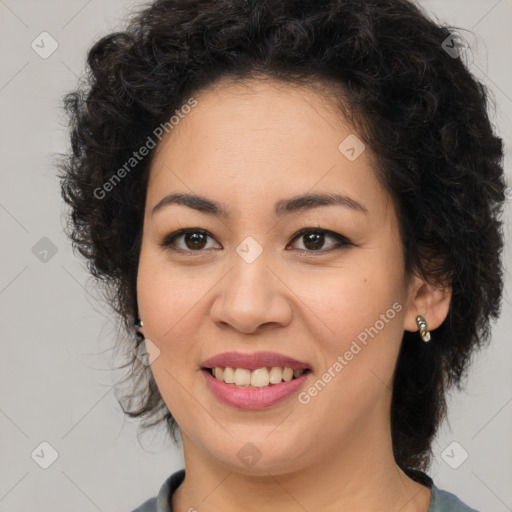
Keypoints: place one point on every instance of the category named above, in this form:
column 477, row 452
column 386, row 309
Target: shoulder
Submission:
column 440, row 500
column 162, row 502
column 444, row 501
column 147, row 506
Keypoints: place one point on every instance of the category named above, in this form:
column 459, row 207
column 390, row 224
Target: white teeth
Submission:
column 276, row 375
column 287, row 374
column 229, row 375
column 259, row 378
column 242, row 377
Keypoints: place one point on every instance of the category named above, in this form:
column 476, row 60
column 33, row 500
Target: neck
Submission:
column 361, row 476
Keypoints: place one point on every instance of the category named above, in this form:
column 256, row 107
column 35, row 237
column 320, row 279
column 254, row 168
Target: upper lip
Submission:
column 254, row 361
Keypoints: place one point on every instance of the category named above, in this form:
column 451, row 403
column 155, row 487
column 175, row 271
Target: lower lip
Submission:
column 253, row 398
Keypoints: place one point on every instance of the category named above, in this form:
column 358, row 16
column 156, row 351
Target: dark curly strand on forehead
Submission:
column 418, row 110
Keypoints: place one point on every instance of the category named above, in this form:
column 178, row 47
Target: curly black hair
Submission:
column 414, row 104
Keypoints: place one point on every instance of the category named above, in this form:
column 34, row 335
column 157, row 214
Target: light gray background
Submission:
column 57, row 339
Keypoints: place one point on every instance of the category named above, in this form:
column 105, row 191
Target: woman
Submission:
column 296, row 208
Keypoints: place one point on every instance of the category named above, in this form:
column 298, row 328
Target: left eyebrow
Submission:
column 281, row 208
column 309, row 201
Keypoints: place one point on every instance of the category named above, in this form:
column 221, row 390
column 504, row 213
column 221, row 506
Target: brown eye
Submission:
column 194, row 239
column 314, row 239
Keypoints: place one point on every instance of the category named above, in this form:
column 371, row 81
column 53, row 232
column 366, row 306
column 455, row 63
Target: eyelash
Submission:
column 169, row 240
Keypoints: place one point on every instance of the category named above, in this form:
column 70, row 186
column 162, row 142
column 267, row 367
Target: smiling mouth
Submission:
column 258, row 378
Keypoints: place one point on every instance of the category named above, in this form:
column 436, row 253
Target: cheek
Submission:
column 172, row 303
column 346, row 301
column 359, row 333
column 165, row 294
column 358, row 352
column 164, row 299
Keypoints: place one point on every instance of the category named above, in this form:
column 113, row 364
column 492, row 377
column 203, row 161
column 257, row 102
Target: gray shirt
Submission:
column 441, row 501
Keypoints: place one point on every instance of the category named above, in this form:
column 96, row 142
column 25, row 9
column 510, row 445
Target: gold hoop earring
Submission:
column 422, row 326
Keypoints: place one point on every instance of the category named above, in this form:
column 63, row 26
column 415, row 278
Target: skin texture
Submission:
column 248, row 146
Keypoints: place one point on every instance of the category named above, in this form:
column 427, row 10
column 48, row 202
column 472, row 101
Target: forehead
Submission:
column 260, row 139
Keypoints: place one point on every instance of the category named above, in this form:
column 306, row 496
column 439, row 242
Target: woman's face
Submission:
column 338, row 305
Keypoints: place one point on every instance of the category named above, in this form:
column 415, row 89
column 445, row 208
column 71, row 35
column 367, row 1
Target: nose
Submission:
column 252, row 297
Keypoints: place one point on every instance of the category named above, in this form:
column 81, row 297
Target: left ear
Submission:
column 430, row 301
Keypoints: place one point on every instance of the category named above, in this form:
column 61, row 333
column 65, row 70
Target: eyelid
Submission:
column 342, row 241
column 168, row 241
